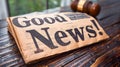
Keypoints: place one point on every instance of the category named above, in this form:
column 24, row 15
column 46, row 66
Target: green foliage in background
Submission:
column 18, row 7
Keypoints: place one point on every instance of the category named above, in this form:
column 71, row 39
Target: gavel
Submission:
column 86, row 6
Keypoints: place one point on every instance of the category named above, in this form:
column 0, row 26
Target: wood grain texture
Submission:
column 102, row 54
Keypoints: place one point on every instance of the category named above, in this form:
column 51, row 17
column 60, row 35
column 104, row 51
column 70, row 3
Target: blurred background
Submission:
column 18, row 7
column 26, row 6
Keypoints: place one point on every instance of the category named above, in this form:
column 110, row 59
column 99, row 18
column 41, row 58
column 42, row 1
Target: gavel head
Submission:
column 86, row 7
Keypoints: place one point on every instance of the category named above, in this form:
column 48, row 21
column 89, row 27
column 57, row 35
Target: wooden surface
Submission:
column 102, row 54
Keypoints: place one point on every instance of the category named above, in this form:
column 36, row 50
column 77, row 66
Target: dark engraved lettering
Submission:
column 76, row 34
column 91, row 33
column 58, row 38
column 49, row 20
column 16, row 22
column 60, row 18
column 37, row 21
column 93, row 21
column 48, row 42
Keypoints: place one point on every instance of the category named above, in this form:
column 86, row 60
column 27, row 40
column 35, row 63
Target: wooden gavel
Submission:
column 86, row 6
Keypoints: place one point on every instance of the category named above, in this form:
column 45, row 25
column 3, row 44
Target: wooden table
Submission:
column 102, row 54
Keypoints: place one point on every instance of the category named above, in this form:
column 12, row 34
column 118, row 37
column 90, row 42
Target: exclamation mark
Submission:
column 96, row 27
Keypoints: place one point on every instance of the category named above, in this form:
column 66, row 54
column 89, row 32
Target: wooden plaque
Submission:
column 41, row 36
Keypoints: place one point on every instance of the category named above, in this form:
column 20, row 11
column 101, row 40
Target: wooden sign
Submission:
column 41, row 36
